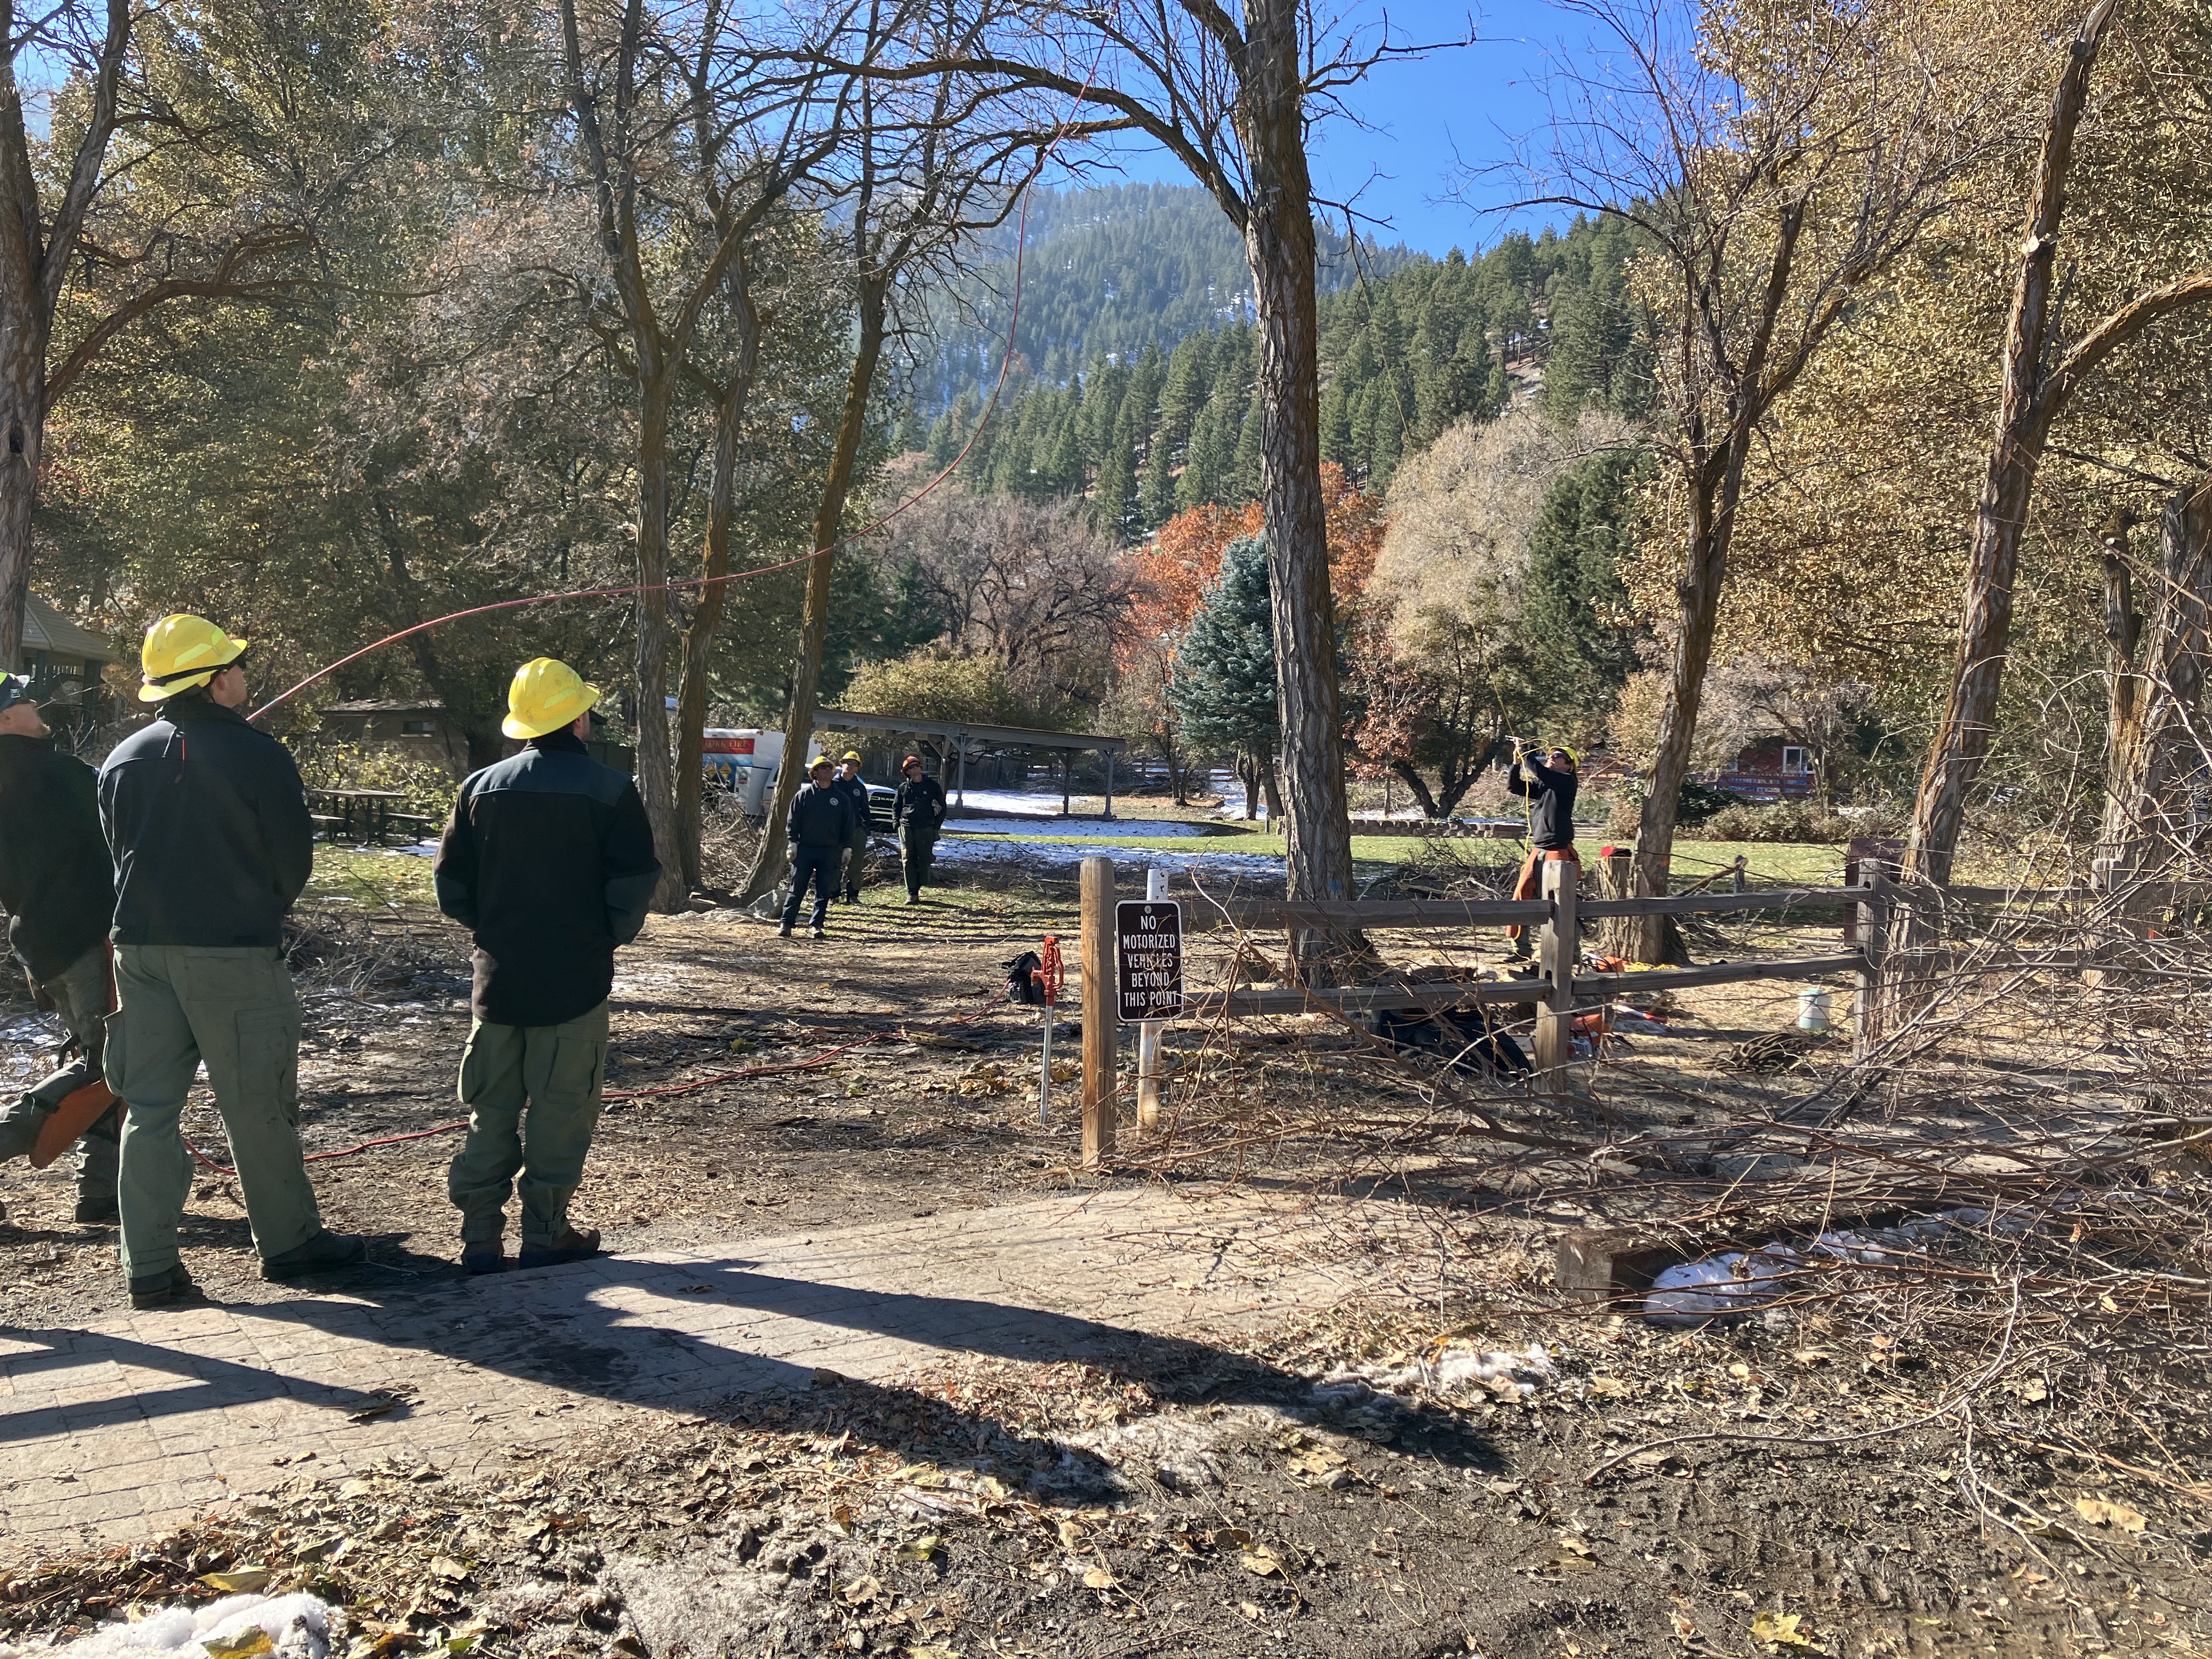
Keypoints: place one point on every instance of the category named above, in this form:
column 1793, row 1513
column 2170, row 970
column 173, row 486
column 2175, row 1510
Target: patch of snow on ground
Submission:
column 1058, row 854
column 297, row 1627
column 1057, row 825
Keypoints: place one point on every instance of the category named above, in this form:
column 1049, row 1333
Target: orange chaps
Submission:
column 1531, row 884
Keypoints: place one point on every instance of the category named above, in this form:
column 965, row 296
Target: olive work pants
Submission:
column 235, row 1008
column 81, row 994
column 921, row 849
column 533, row 1093
column 856, row 864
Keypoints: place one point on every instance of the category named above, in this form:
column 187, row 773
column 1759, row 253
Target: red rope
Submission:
column 1005, row 364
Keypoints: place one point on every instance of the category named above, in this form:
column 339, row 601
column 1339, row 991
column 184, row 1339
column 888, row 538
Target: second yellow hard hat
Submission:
column 182, row 651
column 546, row 694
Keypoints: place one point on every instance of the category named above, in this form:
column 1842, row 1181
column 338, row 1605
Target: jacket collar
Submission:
column 179, row 711
column 563, row 742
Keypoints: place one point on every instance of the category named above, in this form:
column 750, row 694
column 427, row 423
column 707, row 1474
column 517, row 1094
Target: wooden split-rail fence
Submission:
column 1560, row 989
column 1889, row 933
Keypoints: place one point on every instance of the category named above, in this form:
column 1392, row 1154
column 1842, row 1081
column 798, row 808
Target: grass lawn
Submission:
column 1770, row 863
column 369, row 878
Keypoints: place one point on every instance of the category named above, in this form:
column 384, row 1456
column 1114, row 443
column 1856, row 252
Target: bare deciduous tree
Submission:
column 1774, row 166
column 2040, row 376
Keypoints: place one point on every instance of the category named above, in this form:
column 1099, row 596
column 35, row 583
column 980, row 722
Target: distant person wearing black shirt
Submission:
column 1548, row 786
column 917, row 817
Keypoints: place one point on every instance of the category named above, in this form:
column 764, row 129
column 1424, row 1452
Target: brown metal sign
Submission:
column 1148, row 958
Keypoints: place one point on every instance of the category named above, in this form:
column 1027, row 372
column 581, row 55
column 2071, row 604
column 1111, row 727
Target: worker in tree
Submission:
column 855, row 788
column 548, row 860
column 207, row 824
column 1549, row 788
column 918, row 816
column 819, row 832
column 59, row 888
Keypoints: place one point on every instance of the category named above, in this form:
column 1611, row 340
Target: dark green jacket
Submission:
column 549, row 861
column 208, row 822
column 920, row 808
column 55, row 876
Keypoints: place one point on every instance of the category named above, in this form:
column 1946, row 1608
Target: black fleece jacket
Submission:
column 820, row 817
column 1552, row 796
column 921, row 808
column 55, row 876
column 208, row 822
column 549, row 861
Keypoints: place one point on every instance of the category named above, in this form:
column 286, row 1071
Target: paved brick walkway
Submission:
column 140, row 1420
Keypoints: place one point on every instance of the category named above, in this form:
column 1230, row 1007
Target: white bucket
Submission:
column 1813, row 1009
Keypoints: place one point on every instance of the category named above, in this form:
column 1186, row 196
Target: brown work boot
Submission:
column 322, row 1251
column 163, row 1289
column 574, row 1245
column 484, row 1256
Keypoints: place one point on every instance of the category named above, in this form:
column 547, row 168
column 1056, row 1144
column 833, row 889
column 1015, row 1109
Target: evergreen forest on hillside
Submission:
column 1404, row 354
column 1109, row 271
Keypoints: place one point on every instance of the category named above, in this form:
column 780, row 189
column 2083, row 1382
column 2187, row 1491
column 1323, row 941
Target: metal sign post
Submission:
column 1148, row 981
column 1149, row 1032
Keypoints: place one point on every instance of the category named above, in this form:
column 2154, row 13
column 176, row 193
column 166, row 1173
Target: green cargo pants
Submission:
column 235, row 1008
column 80, row 993
column 856, row 864
column 556, row 1073
column 920, row 847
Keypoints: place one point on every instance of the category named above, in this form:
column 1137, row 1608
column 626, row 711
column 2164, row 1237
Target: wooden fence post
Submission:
column 1561, row 950
column 1871, row 934
column 1101, row 1010
column 1616, row 880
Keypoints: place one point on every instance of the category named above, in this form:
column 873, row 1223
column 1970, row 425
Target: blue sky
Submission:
column 1423, row 124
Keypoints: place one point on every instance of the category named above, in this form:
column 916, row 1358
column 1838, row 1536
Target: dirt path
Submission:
column 1159, row 1416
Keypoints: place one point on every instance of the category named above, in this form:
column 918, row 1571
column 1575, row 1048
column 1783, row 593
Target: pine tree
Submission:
column 1225, row 682
column 1245, row 477
column 1116, row 502
column 1575, row 605
column 1206, row 471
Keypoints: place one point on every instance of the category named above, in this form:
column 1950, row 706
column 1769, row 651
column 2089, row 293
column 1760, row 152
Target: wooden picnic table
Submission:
column 367, row 810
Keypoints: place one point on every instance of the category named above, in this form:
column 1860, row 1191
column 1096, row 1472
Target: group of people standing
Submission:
column 827, row 830
column 147, row 903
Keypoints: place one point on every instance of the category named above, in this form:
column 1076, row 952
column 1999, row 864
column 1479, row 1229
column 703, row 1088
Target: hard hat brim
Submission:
column 585, row 699
column 169, row 688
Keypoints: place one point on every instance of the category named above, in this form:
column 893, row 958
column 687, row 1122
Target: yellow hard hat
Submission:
column 183, row 650
column 820, row 760
column 852, row 754
column 546, row 696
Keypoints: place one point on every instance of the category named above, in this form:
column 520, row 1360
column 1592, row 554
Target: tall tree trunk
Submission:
column 1655, row 939
column 1716, row 489
column 829, row 516
column 655, row 778
column 1279, row 247
column 2162, row 751
column 707, row 613
column 35, row 251
column 22, row 428
column 2124, row 693
column 2023, row 425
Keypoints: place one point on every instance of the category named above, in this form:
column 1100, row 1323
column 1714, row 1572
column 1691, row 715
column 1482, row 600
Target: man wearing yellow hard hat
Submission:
column 207, row 824
column 854, row 788
column 549, row 861
column 1549, row 787
column 818, row 831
